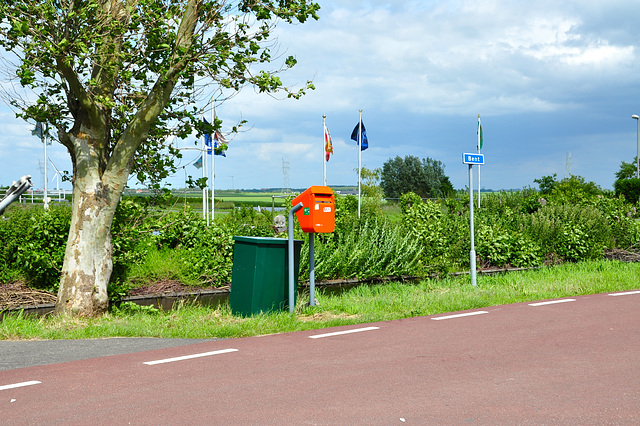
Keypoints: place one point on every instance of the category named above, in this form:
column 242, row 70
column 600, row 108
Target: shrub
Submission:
column 570, row 231
column 42, row 243
column 629, row 188
column 249, row 222
column 499, row 247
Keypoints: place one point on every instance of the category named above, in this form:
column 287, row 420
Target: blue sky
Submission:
column 549, row 79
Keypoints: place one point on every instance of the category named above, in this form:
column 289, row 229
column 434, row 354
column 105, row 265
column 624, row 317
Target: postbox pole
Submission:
column 293, row 210
column 312, row 272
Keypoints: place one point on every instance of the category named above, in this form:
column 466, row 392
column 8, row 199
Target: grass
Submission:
column 359, row 305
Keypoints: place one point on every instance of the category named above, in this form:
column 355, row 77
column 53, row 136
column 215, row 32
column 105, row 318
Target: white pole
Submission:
column 472, row 252
column 205, row 210
column 635, row 117
column 479, row 127
column 213, row 160
column 359, row 159
column 46, row 176
column 324, row 149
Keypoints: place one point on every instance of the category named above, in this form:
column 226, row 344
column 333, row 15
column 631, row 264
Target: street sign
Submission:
column 472, row 158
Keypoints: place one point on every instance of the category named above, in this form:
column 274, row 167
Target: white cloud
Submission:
column 546, row 73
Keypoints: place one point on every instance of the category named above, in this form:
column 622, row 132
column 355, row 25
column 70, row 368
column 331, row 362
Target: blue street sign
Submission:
column 472, row 158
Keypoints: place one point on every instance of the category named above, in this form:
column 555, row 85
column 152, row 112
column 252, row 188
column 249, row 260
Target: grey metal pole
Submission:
column 312, row 272
column 637, row 118
column 472, row 253
column 15, row 191
column 291, row 257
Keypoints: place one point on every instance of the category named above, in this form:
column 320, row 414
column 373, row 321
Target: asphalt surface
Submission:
column 570, row 361
column 21, row 354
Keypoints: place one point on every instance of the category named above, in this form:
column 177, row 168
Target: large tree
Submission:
column 114, row 79
column 409, row 174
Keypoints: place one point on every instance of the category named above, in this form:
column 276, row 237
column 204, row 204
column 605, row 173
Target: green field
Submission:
column 229, row 199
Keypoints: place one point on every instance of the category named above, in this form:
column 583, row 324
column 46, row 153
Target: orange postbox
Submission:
column 318, row 212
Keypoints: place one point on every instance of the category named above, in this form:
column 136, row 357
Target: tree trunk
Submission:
column 88, row 257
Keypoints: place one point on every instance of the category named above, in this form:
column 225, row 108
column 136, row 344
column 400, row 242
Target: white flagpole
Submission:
column 324, row 148
column 46, row 176
column 359, row 159
column 205, row 208
column 213, row 161
column 479, row 126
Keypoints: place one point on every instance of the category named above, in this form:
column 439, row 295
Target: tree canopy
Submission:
column 115, row 80
column 627, row 182
column 410, row 174
column 139, row 66
column 627, row 170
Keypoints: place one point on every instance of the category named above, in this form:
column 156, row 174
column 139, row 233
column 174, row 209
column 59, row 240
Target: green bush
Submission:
column 578, row 221
column 40, row 245
column 629, row 188
column 498, row 247
column 444, row 237
column 570, row 231
column 574, row 190
column 249, row 222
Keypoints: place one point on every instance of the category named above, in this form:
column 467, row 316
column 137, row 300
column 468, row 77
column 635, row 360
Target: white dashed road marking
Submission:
column 626, row 293
column 552, row 302
column 337, row 333
column 182, row 358
column 467, row 314
column 19, row 385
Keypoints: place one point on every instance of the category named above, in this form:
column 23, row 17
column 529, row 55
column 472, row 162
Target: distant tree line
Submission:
column 410, row 174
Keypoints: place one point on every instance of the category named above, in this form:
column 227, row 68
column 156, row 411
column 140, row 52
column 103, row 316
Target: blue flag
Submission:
column 208, row 140
column 354, row 135
column 215, row 142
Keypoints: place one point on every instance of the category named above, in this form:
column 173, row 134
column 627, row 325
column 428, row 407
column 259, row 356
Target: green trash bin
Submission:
column 260, row 275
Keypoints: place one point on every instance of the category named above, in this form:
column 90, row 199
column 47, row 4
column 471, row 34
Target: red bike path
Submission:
column 571, row 361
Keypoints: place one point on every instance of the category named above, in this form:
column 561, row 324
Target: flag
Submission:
column 38, row 130
column 208, row 140
column 328, row 145
column 198, row 162
column 480, row 139
column 219, row 144
column 354, row 135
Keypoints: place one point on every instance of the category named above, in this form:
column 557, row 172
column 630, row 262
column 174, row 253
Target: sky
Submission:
column 555, row 83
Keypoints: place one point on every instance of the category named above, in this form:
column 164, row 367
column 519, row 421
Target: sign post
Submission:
column 471, row 159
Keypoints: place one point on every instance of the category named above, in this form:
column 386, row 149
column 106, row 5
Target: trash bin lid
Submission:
column 263, row 240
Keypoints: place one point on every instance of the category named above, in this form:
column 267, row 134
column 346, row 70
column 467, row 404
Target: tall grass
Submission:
column 373, row 248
